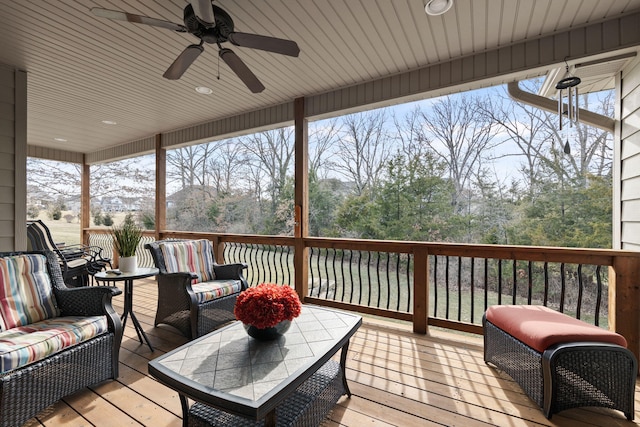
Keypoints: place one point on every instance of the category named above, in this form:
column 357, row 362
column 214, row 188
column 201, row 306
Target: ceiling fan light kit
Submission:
column 437, row 7
column 211, row 25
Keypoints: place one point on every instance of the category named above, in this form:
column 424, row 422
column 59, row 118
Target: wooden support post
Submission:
column 420, row 290
column 624, row 300
column 301, row 200
column 85, row 202
column 161, row 188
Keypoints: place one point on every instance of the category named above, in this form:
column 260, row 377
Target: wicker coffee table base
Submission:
column 308, row 406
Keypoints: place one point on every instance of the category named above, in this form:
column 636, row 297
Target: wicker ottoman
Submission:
column 560, row 362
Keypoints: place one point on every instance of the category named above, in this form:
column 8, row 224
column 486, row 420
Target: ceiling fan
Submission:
column 212, row 25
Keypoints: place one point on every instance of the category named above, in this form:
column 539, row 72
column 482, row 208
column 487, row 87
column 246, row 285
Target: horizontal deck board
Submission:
column 397, row 378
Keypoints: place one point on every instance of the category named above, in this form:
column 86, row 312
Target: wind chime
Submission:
column 570, row 85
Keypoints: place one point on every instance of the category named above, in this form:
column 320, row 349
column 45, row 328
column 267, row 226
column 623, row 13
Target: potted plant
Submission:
column 266, row 310
column 125, row 241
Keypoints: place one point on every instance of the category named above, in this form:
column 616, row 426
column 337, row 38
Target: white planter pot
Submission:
column 128, row 264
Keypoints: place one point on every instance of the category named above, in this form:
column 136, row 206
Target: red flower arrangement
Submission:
column 266, row 305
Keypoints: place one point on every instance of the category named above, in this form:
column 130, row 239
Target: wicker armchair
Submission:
column 29, row 386
column 199, row 297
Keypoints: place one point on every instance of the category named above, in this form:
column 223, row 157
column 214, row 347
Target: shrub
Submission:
column 148, row 219
column 69, row 218
column 32, row 211
column 107, row 220
column 97, row 218
column 56, row 213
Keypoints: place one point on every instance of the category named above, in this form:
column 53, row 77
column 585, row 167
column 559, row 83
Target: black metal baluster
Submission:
column 514, row 290
column 378, row 278
column 459, row 288
column 397, row 282
column 388, row 279
column 368, row 278
column 409, row 287
column 486, row 284
column 335, row 273
column 580, row 291
column 499, row 281
column 344, row 282
column 311, row 275
column 598, row 295
column 563, row 284
column 472, row 278
column 530, row 282
column 546, row 283
column 351, row 275
column 267, row 253
column 446, row 286
column 435, row 286
column 359, row 277
column 326, row 272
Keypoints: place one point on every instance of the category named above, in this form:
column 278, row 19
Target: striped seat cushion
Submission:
column 26, row 294
column 26, row 344
column 194, row 256
column 207, row 291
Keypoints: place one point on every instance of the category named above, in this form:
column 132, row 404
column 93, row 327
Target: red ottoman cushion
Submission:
column 540, row 327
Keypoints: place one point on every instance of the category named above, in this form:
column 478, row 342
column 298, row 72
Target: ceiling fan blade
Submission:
column 182, row 62
column 137, row 19
column 204, row 11
column 270, row 44
column 240, row 68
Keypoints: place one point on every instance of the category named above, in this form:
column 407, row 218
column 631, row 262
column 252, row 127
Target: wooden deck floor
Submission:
column 397, row 379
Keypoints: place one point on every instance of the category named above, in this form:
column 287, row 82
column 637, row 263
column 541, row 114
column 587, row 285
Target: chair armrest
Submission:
column 229, row 271
column 86, row 301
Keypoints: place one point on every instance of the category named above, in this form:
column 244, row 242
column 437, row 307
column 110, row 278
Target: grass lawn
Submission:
column 67, row 232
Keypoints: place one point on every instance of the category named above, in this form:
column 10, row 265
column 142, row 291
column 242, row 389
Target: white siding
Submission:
column 629, row 163
column 13, row 146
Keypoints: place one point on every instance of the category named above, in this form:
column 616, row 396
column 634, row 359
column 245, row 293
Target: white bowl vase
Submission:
column 128, row 264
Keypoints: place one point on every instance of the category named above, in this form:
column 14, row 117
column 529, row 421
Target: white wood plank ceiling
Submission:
column 83, row 69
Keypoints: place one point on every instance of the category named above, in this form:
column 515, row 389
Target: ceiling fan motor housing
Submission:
column 214, row 35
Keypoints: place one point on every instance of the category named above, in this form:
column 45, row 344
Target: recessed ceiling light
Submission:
column 437, row 7
column 60, row 139
column 204, row 90
column 109, row 122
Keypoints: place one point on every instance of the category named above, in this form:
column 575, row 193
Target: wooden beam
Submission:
column 85, row 203
column 301, row 199
column 420, row 290
column 624, row 300
column 161, row 187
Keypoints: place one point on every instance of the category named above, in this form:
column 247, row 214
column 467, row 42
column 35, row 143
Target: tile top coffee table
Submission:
column 237, row 380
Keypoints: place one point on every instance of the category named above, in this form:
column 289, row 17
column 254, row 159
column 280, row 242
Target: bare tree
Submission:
column 225, row 167
column 461, row 136
column 269, row 156
column 133, row 177
column 322, row 136
column 363, row 149
column 187, row 166
column 525, row 127
column 410, row 135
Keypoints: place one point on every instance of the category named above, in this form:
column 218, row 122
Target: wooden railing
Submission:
column 102, row 237
column 439, row 284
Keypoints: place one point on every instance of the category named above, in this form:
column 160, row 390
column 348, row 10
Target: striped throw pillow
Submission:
column 194, row 256
column 26, row 294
